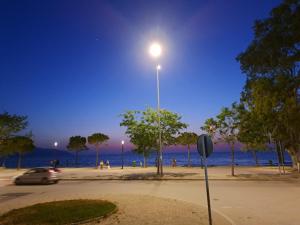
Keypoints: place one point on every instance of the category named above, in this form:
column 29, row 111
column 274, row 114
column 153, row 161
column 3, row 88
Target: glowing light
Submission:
column 55, row 144
column 155, row 50
column 122, row 142
column 158, row 67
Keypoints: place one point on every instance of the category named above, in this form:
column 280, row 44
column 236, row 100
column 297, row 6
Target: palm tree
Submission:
column 77, row 143
column 187, row 139
column 97, row 139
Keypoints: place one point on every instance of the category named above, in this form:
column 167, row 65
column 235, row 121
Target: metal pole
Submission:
column 122, row 156
column 206, row 181
column 159, row 130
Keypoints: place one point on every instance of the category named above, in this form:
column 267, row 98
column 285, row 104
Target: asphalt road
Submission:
column 241, row 202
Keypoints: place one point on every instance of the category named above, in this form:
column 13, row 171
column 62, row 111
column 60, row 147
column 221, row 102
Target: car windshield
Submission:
column 36, row 170
column 30, row 171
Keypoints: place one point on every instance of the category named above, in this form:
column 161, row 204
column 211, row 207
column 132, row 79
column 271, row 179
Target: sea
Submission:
column 43, row 157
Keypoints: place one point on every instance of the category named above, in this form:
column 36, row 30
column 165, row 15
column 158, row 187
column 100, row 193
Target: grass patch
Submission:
column 58, row 212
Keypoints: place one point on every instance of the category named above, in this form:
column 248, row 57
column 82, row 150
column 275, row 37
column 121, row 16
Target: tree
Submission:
column 271, row 64
column 142, row 129
column 141, row 134
column 224, row 128
column 227, row 129
column 187, row 139
column 19, row 145
column 144, row 140
column 77, row 143
column 251, row 132
column 10, row 125
column 97, row 139
column 210, row 127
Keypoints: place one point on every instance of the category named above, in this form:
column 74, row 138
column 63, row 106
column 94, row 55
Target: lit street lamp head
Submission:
column 122, row 142
column 158, row 67
column 55, row 144
column 155, row 50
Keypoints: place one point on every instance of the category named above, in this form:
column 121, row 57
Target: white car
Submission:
column 41, row 175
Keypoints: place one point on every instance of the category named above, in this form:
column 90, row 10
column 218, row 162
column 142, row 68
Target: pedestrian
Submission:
column 101, row 165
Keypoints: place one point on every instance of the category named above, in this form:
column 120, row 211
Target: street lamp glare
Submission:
column 122, row 142
column 158, row 67
column 55, row 144
column 155, row 50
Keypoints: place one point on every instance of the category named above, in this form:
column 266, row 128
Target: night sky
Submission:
column 74, row 66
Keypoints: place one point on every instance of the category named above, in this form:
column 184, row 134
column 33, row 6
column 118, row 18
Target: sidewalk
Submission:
column 170, row 173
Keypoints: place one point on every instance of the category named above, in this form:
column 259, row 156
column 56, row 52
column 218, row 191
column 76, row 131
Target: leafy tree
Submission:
column 142, row 129
column 141, row 134
column 271, row 64
column 187, row 139
column 97, row 139
column 224, row 128
column 251, row 132
column 227, row 129
column 10, row 125
column 210, row 127
column 19, row 145
column 77, row 143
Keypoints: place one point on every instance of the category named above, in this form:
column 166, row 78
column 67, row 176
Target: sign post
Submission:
column 205, row 148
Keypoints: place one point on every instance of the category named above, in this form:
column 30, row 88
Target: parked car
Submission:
column 42, row 175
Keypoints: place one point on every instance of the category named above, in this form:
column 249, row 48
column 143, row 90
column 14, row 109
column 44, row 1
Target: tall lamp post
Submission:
column 122, row 142
column 155, row 52
column 55, row 146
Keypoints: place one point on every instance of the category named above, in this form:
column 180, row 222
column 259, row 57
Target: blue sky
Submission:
column 73, row 66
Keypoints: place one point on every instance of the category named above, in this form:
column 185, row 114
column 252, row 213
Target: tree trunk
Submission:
column 282, row 156
column 19, row 161
column 189, row 158
column 278, row 156
column 294, row 158
column 255, row 157
column 76, row 159
column 157, row 163
column 97, row 157
column 145, row 162
column 161, row 167
column 295, row 162
column 232, row 159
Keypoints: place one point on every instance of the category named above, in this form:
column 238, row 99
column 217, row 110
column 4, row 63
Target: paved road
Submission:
column 243, row 202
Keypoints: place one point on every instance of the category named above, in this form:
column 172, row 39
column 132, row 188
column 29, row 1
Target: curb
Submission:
column 170, row 179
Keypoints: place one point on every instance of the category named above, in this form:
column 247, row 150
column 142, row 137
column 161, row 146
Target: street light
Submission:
column 122, row 142
column 155, row 51
column 55, row 146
